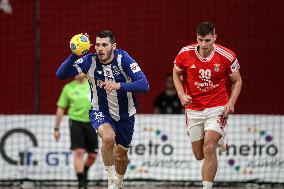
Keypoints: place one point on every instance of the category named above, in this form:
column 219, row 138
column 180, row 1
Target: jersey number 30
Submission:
column 204, row 74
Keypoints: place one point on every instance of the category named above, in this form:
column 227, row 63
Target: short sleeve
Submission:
column 178, row 62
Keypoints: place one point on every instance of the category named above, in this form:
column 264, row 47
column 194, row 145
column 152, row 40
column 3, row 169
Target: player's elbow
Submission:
column 59, row 75
column 146, row 87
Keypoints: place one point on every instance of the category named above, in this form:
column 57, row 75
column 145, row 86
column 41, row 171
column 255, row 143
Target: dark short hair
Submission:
column 168, row 75
column 205, row 28
column 105, row 34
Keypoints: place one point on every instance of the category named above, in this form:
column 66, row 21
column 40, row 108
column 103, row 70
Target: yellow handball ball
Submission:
column 80, row 44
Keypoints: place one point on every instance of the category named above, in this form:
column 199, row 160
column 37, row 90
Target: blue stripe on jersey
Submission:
column 123, row 104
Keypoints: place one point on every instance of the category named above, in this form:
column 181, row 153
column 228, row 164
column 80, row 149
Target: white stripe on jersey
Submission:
column 90, row 76
column 113, row 105
column 187, row 48
column 112, row 96
column 92, row 67
column 178, row 69
column 78, row 68
column 224, row 53
column 131, row 107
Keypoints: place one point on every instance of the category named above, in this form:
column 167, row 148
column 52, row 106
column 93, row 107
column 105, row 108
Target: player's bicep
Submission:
column 132, row 68
column 236, row 76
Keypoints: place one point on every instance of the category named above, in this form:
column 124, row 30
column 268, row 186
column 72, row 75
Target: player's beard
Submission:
column 108, row 56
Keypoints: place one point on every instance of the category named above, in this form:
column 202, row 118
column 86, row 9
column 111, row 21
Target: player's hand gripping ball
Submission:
column 80, row 44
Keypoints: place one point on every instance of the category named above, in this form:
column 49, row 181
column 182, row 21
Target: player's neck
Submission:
column 108, row 60
column 205, row 54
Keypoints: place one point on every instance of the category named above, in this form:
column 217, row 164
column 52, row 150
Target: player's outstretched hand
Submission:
column 109, row 86
column 185, row 100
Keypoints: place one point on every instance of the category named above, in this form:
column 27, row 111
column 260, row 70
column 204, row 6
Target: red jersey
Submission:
column 205, row 79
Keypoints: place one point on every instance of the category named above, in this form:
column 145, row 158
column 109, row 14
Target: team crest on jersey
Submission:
column 134, row 67
column 216, row 67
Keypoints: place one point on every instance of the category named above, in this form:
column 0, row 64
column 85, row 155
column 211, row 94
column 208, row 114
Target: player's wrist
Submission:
column 118, row 86
column 180, row 94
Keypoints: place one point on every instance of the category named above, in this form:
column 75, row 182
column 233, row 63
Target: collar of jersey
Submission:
column 204, row 59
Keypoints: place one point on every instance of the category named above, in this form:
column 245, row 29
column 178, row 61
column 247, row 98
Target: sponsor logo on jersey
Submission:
column 134, row 67
column 205, row 85
column 235, row 66
column 79, row 61
column 99, row 116
column 108, row 73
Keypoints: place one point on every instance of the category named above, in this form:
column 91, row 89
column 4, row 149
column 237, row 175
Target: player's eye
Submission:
column 200, row 40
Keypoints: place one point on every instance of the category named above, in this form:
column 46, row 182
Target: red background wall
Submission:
column 152, row 32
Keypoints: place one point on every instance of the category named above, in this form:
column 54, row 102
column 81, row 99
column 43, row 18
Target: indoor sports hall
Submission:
column 35, row 36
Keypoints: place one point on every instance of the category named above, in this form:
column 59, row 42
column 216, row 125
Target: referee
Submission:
column 75, row 97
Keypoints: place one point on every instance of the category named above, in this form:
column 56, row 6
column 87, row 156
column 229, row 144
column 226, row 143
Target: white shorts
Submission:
column 208, row 119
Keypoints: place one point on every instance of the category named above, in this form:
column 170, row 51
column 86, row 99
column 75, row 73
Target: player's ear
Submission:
column 114, row 46
column 215, row 37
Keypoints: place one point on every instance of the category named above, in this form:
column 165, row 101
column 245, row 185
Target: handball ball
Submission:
column 80, row 44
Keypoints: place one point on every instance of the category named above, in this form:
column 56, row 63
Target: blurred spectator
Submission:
column 168, row 101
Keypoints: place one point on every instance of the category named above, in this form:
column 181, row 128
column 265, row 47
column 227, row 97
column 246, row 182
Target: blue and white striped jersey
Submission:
column 122, row 69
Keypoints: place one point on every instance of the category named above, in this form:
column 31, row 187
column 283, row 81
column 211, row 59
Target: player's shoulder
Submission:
column 123, row 57
column 225, row 52
column 189, row 49
column 121, row 53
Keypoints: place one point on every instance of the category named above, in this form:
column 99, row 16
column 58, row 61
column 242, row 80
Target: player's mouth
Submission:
column 205, row 48
column 101, row 55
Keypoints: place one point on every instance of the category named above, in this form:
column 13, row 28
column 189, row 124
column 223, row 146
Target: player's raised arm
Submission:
column 79, row 45
column 67, row 68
